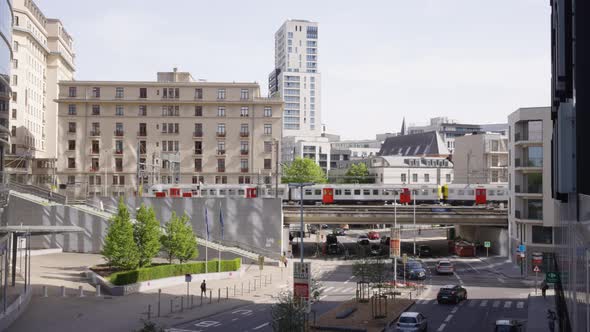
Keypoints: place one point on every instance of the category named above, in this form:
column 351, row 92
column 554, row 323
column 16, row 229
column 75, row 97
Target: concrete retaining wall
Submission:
column 15, row 309
column 497, row 235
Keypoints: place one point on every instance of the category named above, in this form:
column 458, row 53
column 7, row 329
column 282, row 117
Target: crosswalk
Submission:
column 337, row 290
column 505, row 304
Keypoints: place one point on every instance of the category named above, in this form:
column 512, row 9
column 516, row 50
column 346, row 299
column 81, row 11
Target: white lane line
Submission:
column 351, row 277
column 235, row 319
column 323, row 297
column 458, row 278
column 501, row 280
column 260, row 326
column 441, row 327
column 454, row 310
column 328, row 289
column 471, row 303
column 520, row 305
column 483, row 303
column 448, row 318
column 346, row 282
column 496, row 304
column 473, row 268
column 507, row 304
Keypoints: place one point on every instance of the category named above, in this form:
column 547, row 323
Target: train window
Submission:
column 318, row 192
column 451, row 191
column 347, row 192
column 357, row 191
column 470, row 192
column 240, row 192
column 385, row 193
column 366, row 192
column 500, row 192
column 195, row 192
column 491, row 193
column 203, row 192
column 281, row 192
column 434, row 191
column 375, row 192
column 222, row 192
column 231, row 192
column 338, row 192
column 308, row 192
column 461, row 192
column 212, row 192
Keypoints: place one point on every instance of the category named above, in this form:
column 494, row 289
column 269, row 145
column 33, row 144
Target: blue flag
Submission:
column 221, row 220
column 207, row 223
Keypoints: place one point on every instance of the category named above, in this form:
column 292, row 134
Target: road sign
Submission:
column 537, row 258
column 188, row 277
column 405, row 258
column 301, row 280
column 260, row 262
column 301, row 290
column 487, row 244
column 552, row 277
column 302, row 270
column 536, row 269
column 521, row 248
column 394, row 243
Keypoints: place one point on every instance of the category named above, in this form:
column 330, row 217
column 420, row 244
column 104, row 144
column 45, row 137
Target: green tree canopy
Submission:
column 146, row 232
column 288, row 315
column 178, row 240
column 303, row 170
column 358, row 173
column 119, row 248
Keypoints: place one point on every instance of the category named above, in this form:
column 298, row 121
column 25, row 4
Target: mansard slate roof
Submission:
column 422, row 144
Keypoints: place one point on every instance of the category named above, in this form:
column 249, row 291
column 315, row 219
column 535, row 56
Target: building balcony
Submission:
column 117, row 169
column 220, row 152
column 95, row 133
column 71, row 132
column 244, row 134
column 531, row 218
column 220, row 134
column 220, row 169
column 118, row 151
column 198, row 169
column 94, row 169
column 94, row 151
column 244, row 152
column 198, row 152
column 119, row 133
column 142, row 133
column 533, row 164
column 244, row 170
column 197, row 134
column 524, row 139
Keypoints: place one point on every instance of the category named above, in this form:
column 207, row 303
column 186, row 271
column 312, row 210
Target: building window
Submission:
column 267, row 164
column 267, row 147
column 15, row 80
column 198, row 165
column 221, row 129
column 14, row 113
column 244, row 165
column 71, row 163
column 142, row 92
column 170, row 110
column 119, row 164
column 71, row 145
column 198, row 110
column 94, row 166
column 267, row 180
column 142, row 129
column 495, row 161
column 15, row 64
column 221, row 111
column 95, row 109
column 118, row 147
column 221, row 165
column 118, row 92
column 220, row 93
column 119, row 129
column 197, row 179
column 448, row 178
column 495, row 145
column 426, row 177
column 268, row 111
column 96, row 92
column 268, row 129
column 221, row 179
column 142, row 110
column 198, row 147
column 71, row 109
column 244, row 180
column 95, row 129
column 244, row 111
column 542, row 235
column 14, row 96
column 221, row 148
column 71, row 127
column 243, row 147
column 198, row 130
column 415, row 177
column 72, row 92
column 142, row 147
column 244, row 94
column 494, row 176
column 403, row 177
column 198, row 93
column 244, row 130
column 119, row 110
column 71, row 179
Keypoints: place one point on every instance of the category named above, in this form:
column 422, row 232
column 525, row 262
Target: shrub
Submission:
column 178, row 240
column 172, row 270
column 119, row 248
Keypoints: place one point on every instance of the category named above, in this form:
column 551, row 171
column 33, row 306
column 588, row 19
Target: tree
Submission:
column 119, row 248
column 146, row 232
column 358, row 173
column 303, row 170
column 178, row 240
column 287, row 314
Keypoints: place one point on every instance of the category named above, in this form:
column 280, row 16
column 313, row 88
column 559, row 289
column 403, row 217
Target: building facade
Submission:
column 411, row 170
column 5, row 89
column 43, row 55
column 296, row 78
column 570, row 112
column 481, row 159
column 531, row 215
column 122, row 137
column 316, row 148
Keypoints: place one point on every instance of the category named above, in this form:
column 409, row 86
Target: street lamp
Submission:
column 300, row 186
column 414, row 197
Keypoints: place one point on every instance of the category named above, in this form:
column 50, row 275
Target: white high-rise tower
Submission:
column 296, row 78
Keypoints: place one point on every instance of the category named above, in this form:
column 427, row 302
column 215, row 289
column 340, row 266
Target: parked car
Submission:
column 338, row 231
column 409, row 321
column 325, row 226
column 424, row 251
column 372, row 235
column 414, row 270
column 376, row 249
column 508, row 325
column 332, row 246
column 362, row 239
column 444, row 267
column 313, row 229
column 385, row 240
column 452, row 294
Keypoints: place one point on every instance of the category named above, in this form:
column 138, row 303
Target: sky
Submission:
column 475, row 61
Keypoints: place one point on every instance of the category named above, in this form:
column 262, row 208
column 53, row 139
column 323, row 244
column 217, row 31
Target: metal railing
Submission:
column 37, row 191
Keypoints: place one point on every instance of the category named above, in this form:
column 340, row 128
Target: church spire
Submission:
column 403, row 131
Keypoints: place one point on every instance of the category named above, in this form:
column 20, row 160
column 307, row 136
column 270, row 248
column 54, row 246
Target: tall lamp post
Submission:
column 300, row 186
column 414, row 197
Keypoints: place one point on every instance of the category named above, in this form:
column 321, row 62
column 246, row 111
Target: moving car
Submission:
column 508, row 325
column 372, row 235
column 332, row 246
column 424, row 251
column 410, row 322
column 444, row 267
column 338, row 231
column 324, row 226
column 313, row 229
column 362, row 239
column 451, row 294
column 414, row 270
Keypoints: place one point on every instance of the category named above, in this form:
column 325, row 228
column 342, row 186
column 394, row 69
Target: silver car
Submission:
column 409, row 322
column 444, row 267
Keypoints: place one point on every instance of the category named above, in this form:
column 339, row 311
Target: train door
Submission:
column 251, row 193
column 187, row 194
column 160, row 194
column 328, row 195
column 480, row 196
column 174, row 192
column 405, row 197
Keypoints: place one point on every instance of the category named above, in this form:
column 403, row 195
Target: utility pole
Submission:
column 277, row 168
column 468, row 166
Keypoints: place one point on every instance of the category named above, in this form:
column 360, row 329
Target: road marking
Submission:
column 458, row 278
column 501, row 280
column 441, row 327
column 471, row 266
column 483, row 303
column 323, row 297
column 472, row 303
column 520, row 305
column 243, row 312
column 448, row 318
column 260, row 326
column 507, row 304
column 328, row 289
column 207, row 323
column 346, row 282
column 454, row 310
column 346, row 290
column 496, row 304
column 235, row 319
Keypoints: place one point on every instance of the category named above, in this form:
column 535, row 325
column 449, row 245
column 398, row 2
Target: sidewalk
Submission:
column 106, row 313
column 501, row 265
column 537, row 312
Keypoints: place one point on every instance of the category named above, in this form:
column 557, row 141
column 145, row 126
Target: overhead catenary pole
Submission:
column 395, row 233
column 277, row 169
column 301, row 229
column 414, row 214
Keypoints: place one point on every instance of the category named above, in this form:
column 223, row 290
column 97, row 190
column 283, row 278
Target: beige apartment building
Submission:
column 116, row 138
column 481, row 159
column 42, row 55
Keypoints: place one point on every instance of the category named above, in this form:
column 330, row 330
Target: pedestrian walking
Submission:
column 544, row 288
column 204, row 288
column 551, row 317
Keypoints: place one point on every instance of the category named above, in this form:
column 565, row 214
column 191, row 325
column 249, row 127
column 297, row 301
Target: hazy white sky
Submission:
column 472, row 60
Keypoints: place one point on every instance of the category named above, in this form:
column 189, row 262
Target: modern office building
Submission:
column 570, row 111
column 5, row 90
column 531, row 214
column 121, row 137
column 43, row 56
column 296, row 78
column 316, row 148
column 411, row 170
column 481, row 159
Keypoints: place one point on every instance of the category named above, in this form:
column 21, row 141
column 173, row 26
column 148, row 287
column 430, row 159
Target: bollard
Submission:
column 218, row 294
column 98, row 290
column 201, row 299
column 264, row 281
column 254, row 285
column 181, row 303
column 210, row 295
column 171, row 305
column 226, row 292
column 192, row 303
column 80, row 291
column 271, row 281
column 234, row 290
column 63, row 291
column 248, row 286
column 159, row 298
column 149, row 313
column 242, row 293
column 44, row 291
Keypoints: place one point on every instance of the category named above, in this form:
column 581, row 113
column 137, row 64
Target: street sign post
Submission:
column 487, row 245
column 188, row 278
column 552, row 277
column 521, row 248
column 302, row 282
column 536, row 269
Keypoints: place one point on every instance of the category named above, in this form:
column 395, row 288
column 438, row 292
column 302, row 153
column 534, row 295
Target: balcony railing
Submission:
column 244, row 134
column 220, row 134
column 531, row 162
column 198, row 152
column 244, row 152
column 244, row 170
column 119, row 132
column 142, row 133
column 94, row 169
column 198, row 169
column 95, row 133
column 221, row 169
column 197, row 134
column 118, row 151
column 94, row 151
column 220, row 152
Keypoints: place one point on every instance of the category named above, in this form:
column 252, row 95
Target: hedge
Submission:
column 173, row 270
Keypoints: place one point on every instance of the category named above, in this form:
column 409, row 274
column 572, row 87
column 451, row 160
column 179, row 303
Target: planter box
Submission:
column 107, row 287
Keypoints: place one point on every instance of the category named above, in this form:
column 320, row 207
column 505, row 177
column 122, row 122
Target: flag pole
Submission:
column 219, row 249
column 206, row 241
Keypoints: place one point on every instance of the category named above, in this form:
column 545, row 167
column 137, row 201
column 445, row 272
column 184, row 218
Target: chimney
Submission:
column 175, row 69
